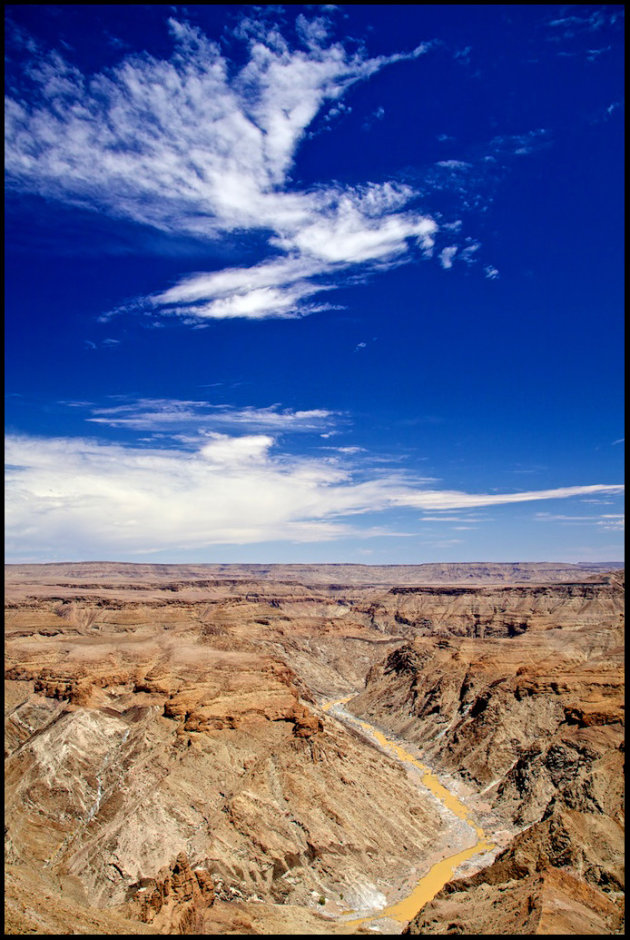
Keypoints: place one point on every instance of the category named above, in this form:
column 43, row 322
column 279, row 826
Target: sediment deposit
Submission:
column 170, row 766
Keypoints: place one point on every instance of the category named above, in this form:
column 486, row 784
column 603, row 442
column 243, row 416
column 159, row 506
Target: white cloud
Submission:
column 454, row 164
column 81, row 499
column 463, row 53
column 193, row 146
column 224, row 451
column 592, row 21
column 467, row 253
column 171, row 416
column 357, row 227
column 77, row 496
column 347, row 236
column 613, row 521
column 519, row 144
column 268, row 289
column 446, row 256
column 491, row 272
column 312, row 32
column 108, row 343
column 452, row 499
column 258, row 304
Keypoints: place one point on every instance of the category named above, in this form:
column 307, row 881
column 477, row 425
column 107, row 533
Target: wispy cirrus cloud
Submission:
column 192, row 146
column 107, row 343
column 77, row 498
column 180, row 144
column 197, row 146
column 453, row 499
column 465, row 184
column 612, row 521
column 582, row 30
column 270, row 289
column 519, row 144
column 586, row 19
column 176, row 416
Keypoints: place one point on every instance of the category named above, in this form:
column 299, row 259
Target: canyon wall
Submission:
column 519, row 692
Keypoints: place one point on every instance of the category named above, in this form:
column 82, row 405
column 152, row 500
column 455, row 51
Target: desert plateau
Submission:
column 313, row 749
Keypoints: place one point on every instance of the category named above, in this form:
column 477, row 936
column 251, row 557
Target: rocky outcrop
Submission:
column 548, row 901
column 563, row 874
column 197, row 714
column 175, row 899
column 199, row 706
column 74, row 684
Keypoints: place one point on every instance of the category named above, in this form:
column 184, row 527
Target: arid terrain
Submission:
column 175, row 762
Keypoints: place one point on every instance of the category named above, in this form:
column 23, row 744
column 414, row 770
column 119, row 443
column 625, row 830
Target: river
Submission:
column 442, row 871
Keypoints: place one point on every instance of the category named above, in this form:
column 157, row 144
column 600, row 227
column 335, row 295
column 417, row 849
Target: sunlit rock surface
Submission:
column 169, row 767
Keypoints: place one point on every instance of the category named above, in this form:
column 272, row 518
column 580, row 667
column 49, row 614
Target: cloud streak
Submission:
column 613, row 521
column 76, row 498
column 173, row 416
column 453, row 499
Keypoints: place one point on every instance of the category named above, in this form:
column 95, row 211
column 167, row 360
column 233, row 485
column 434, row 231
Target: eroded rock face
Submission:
column 173, row 901
column 547, row 901
column 503, row 611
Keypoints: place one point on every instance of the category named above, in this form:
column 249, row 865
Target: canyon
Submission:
column 314, row 748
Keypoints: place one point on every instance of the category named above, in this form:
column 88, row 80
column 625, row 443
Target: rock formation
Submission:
column 175, row 900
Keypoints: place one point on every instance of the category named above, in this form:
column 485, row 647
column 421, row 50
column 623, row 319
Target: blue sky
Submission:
column 320, row 283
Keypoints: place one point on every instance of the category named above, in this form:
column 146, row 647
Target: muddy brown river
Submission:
column 441, row 871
